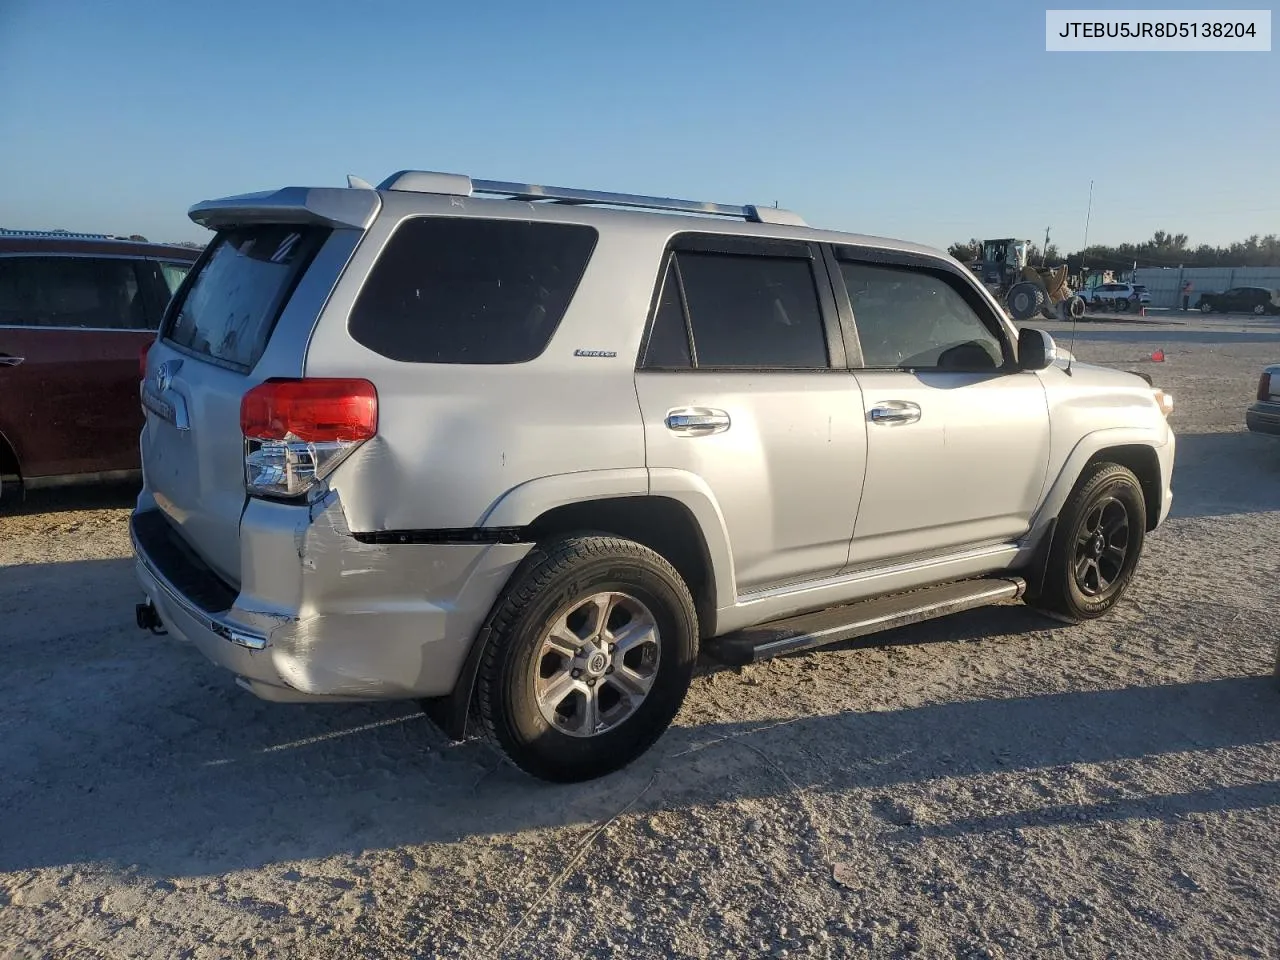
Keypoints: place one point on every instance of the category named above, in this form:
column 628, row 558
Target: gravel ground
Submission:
column 993, row 785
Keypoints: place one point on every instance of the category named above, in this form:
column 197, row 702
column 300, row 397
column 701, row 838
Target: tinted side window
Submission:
column 78, row 292
column 908, row 318
column 460, row 290
column 753, row 311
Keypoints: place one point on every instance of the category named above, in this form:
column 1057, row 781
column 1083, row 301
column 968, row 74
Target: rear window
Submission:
column 241, row 286
column 461, row 290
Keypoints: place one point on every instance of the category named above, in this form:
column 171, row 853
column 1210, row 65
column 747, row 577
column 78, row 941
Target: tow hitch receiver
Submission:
column 148, row 619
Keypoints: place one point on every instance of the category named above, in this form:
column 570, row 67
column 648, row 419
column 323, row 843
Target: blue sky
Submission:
column 931, row 121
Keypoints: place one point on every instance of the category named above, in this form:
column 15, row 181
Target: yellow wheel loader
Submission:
column 1023, row 289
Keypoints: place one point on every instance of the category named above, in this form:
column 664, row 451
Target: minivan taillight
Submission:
column 1264, row 387
column 297, row 432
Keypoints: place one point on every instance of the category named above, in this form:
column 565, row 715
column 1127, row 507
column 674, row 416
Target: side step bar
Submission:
column 809, row 630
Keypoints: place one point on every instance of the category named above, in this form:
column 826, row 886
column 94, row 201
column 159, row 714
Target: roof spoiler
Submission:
column 322, row 206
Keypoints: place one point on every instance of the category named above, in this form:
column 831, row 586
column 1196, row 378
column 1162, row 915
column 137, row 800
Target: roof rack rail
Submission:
column 60, row 234
column 460, row 185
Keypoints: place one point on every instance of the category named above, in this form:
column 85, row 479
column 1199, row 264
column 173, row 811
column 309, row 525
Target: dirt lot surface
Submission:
column 993, row 785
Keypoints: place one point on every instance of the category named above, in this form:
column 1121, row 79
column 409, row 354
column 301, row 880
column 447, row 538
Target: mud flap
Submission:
column 451, row 712
column 1039, row 566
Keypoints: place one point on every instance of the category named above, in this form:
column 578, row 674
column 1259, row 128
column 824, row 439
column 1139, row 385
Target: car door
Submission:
column 743, row 387
column 957, row 437
column 72, row 331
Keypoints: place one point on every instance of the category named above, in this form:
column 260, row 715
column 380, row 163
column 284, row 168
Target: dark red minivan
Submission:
column 76, row 312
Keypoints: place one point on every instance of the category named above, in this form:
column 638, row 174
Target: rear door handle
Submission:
column 895, row 412
column 697, row 421
column 8, row 361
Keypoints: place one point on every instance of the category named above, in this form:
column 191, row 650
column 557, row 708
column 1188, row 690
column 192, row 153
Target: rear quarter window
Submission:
column 463, row 290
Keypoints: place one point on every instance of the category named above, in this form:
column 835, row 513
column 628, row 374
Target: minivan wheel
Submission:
column 590, row 653
column 1096, row 544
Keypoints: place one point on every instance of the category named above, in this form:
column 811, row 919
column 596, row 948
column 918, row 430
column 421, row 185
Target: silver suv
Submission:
column 523, row 457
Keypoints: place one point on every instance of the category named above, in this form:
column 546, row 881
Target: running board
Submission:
column 833, row 625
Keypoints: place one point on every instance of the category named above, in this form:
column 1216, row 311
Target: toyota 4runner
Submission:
column 523, row 457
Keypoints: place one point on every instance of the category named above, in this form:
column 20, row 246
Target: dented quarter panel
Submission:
column 454, row 439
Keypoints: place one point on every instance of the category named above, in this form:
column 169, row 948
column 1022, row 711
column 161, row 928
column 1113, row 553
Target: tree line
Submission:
column 1162, row 250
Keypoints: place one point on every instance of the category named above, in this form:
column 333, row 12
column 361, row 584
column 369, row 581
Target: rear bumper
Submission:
column 1263, row 417
column 321, row 616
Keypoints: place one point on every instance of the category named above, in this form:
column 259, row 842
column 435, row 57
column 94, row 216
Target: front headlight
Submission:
column 1164, row 400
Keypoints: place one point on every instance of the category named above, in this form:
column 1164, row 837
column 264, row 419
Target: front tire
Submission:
column 1025, row 300
column 1259, row 310
column 591, row 652
column 1206, row 307
column 1096, row 544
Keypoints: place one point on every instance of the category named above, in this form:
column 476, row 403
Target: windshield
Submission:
column 240, row 287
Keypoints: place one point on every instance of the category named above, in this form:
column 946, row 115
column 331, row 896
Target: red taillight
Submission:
column 142, row 361
column 297, row 432
column 313, row 411
column 1264, row 387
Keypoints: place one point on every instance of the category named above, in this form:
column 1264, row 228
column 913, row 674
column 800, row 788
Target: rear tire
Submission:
column 1206, row 308
column 582, row 610
column 1259, row 310
column 1096, row 545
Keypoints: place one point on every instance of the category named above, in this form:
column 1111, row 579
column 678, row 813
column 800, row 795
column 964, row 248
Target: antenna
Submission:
column 1075, row 320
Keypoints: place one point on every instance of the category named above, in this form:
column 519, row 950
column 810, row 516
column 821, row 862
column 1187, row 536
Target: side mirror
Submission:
column 1036, row 349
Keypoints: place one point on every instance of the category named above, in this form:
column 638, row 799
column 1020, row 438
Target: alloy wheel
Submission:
column 1102, row 545
column 596, row 664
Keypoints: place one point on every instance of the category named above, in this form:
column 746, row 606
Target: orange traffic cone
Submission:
column 1158, row 356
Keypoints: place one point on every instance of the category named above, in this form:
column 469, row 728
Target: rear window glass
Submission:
column 455, row 290
column 231, row 306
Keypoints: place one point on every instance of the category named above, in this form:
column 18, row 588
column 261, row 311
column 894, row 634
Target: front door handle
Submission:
column 697, row 421
column 8, row 361
column 895, row 412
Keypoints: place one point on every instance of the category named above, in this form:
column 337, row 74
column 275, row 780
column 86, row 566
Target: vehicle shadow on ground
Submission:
column 1167, row 808
column 131, row 750
column 1220, row 474
column 62, row 499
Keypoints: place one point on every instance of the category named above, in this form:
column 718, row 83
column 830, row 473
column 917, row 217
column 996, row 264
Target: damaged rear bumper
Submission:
column 319, row 615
